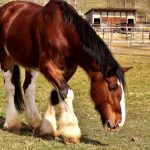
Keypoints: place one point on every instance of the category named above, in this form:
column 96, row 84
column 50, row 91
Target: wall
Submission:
column 110, row 17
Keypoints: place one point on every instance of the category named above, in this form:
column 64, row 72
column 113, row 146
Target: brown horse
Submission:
column 55, row 40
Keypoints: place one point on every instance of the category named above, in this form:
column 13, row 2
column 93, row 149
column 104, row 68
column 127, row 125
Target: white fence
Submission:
column 124, row 35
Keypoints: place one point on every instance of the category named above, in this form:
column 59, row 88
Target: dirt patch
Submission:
column 132, row 50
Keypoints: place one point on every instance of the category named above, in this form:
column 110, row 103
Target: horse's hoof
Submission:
column 54, row 134
column 70, row 133
column 35, row 123
column 57, row 134
column 13, row 128
column 73, row 140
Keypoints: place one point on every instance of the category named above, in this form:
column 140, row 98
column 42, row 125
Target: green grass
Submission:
column 135, row 135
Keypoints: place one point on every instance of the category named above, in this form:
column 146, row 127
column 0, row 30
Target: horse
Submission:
column 54, row 40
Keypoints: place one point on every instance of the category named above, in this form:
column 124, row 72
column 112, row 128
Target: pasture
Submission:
column 133, row 136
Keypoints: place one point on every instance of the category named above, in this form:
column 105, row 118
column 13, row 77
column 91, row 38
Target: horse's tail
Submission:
column 18, row 97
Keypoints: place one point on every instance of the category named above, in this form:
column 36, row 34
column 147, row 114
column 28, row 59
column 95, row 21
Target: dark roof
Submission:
column 111, row 9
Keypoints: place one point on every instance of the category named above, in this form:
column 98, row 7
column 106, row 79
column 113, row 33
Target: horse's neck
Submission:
column 97, row 87
column 93, row 71
column 89, row 65
column 96, row 76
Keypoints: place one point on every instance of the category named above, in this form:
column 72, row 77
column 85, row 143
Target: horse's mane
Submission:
column 92, row 44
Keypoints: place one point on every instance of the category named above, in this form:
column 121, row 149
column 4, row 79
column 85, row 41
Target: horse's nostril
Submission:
column 109, row 125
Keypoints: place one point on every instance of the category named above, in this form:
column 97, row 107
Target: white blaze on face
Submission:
column 122, row 104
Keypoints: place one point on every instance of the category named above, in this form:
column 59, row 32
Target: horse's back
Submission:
column 16, row 21
column 16, row 6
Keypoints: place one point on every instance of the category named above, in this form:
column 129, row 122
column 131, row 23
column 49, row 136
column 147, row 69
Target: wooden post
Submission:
column 109, row 38
column 111, row 35
column 142, row 36
column 103, row 33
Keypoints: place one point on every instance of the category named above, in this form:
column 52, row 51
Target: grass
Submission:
column 135, row 135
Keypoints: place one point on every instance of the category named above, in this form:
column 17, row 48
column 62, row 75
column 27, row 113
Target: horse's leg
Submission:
column 33, row 116
column 12, row 121
column 72, row 130
column 68, row 125
column 48, row 125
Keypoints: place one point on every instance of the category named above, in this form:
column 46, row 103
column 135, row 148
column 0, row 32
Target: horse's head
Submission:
column 109, row 98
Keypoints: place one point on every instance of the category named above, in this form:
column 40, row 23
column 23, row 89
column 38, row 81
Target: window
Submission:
column 130, row 21
column 97, row 21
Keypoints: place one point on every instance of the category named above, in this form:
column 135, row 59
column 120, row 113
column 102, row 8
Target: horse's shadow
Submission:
column 86, row 140
column 25, row 130
column 2, row 119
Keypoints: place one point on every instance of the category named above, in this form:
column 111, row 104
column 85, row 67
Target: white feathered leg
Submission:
column 68, row 124
column 33, row 115
column 12, row 120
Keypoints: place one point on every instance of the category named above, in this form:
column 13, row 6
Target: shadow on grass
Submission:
column 83, row 139
column 86, row 140
column 2, row 119
column 26, row 131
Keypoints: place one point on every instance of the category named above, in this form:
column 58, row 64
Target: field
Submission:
column 135, row 135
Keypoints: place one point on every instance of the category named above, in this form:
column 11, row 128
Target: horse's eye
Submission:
column 113, row 88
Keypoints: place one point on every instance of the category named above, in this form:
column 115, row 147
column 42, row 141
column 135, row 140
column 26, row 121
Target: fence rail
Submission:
column 124, row 35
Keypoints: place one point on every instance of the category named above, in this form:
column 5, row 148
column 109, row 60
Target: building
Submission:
column 111, row 16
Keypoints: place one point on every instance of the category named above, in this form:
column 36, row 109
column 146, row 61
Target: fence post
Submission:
column 111, row 35
column 109, row 38
column 103, row 33
column 130, row 38
column 127, row 37
column 142, row 36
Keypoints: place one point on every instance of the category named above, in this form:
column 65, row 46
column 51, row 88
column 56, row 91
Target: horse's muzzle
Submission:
column 109, row 126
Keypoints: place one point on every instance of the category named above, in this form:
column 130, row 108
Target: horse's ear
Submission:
column 125, row 69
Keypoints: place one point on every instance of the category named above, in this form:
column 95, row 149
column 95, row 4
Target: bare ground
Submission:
column 132, row 50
